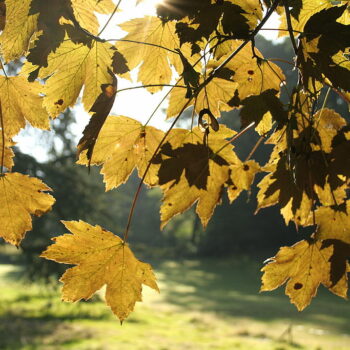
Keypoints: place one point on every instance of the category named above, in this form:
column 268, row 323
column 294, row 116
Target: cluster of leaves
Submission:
column 207, row 48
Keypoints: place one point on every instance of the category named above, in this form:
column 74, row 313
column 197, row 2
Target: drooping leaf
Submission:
column 20, row 197
column 194, row 168
column 102, row 258
column 101, row 109
column 20, row 102
column 123, row 145
column 303, row 267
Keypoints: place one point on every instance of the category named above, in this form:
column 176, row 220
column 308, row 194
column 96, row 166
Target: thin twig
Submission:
column 144, row 43
column 110, row 18
column 261, row 139
column 290, row 26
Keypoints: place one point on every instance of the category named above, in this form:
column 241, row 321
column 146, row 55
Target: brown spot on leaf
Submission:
column 298, row 286
column 59, row 102
column 250, row 72
column 245, row 167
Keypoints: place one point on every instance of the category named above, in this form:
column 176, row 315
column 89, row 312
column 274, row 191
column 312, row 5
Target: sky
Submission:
column 138, row 104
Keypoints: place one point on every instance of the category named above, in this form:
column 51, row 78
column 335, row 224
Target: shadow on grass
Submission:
column 231, row 288
column 18, row 332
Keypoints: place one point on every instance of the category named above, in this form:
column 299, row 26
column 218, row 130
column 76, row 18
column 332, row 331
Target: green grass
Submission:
column 208, row 304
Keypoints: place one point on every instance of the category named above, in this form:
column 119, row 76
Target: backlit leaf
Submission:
column 20, row 102
column 123, row 145
column 333, row 222
column 21, row 196
column 155, row 61
column 303, row 267
column 194, row 170
column 84, row 12
column 102, row 258
column 72, row 66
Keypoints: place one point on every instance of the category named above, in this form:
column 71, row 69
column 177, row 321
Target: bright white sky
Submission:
column 138, row 104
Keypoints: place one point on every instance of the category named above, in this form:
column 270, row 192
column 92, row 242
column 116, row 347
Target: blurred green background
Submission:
column 209, row 279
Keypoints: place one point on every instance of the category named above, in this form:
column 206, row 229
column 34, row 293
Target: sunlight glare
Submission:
column 150, row 5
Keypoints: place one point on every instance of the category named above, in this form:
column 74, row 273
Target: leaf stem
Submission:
column 261, row 139
column 3, row 141
column 110, row 18
column 3, row 69
column 242, row 132
column 144, row 43
column 150, row 85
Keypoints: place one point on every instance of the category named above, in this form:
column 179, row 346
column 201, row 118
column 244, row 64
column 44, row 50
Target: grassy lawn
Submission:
column 209, row 304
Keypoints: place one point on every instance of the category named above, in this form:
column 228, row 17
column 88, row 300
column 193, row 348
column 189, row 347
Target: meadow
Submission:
column 203, row 304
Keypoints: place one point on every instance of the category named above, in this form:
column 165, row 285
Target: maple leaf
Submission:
column 20, row 102
column 72, row 66
column 152, row 45
column 234, row 17
column 101, row 109
column 301, row 14
column 102, row 258
column 249, row 72
column 21, row 196
column 322, row 47
column 333, row 222
column 19, row 28
column 242, row 177
column 122, row 145
column 215, row 97
column 40, row 20
column 257, row 106
column 84, row 12
column 303, row 267
column 194, row 169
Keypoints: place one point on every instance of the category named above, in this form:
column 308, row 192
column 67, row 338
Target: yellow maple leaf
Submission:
column 19, row 28
column 252, row 11
column 309, row 8
column 192, row 169
column 70, row 67
column 84, row 12
column 122, row 145
column 155, row 61
column 332, row 223
column 21, row 196
column 328, row 123
column 22, row 26
column 303, row 267
column 102, row 258
column 6, row 152
column 215, row 97
column 20, row 102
